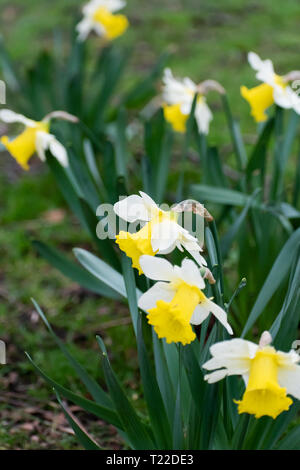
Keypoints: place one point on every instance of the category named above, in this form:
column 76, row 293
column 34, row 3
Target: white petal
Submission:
column 45, row 141
column 194, row 250
column 176, row 92
column 220, row 314
column 148, row 201
column 215, row 376
column 156, row 268
column 200, row 314
column 6, row 115
column 203, row 116
column 163, row 235
column 191, row 275
column 254, row 60
column 132, row 209
column 41, row 144
column 84, row 27
column 289, row 378
column 264, row 68
column 236, row 347
column 58, row 151
column 160, row 291
column 234, row 355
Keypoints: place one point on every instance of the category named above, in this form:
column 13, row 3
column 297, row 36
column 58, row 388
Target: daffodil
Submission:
column 274, row 89
column 161, row 233
column 178, row 96
column 177, row 301
column 99, row 16
column 269, row 375
column 35, row 138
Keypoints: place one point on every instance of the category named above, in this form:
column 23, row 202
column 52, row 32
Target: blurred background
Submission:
column 207, row 39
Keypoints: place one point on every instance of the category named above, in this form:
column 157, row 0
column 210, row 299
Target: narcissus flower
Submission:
column 178, row 302
column 274, row 89
column 269, row 375
column 99, row 16
column 161, row 234
column 34, row 139
column 178, row 96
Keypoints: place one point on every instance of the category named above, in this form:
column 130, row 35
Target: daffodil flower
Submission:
column 274, row 89
column 34, row 139
column 176, row 302
column 269, row 375
column 178, row 96
column 161, row 233
column 99, row 16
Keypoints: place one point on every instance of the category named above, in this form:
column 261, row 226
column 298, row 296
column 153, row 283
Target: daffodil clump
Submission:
column 100, row 16
column 177, row 301
column 269, row 375
column 274, row 89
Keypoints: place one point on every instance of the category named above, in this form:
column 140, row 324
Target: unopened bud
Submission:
column 210, row 85
column 190, row 205
column 265, row 339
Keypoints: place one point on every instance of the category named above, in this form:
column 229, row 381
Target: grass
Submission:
column 209, row 39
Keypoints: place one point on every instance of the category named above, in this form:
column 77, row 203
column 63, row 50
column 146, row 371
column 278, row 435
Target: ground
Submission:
column 209, row 39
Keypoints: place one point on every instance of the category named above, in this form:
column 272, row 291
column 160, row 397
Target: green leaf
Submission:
column 231, row 234
column 291, row 441
column 162, row 171
column 101, row 270
column 81, row 434
column 92, row 386
column 105, row 245
column 163, row 376
column 157, row 412
column 7, row 68
column 135, row 430
column 73, row 271
column 276, row 276
column 236, row 136
column 131, row 291
column 231, row 197
column 102, row 412
column 258, row 156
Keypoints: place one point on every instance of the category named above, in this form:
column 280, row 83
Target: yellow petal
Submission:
column 24, row 146
column 175, row 117
column 260, row 98
column 171, row 320
column 136, row 244
column 114, row 25
column 263, row 395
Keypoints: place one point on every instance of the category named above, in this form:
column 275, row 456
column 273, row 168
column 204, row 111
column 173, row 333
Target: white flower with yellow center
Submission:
column 178, row 96
column 269, row 375
column 274, row 89
column 99, row 16
column 176, row 302
column 34, row 139
column 160, row 235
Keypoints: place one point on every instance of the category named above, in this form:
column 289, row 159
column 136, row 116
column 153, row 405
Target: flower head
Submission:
column 99, row 16
column 178, row 96
column 274, row 89
column 34, row 139
column 160, row 235
column 177, row 301
column 269, row 375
